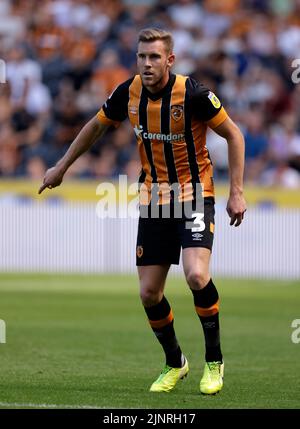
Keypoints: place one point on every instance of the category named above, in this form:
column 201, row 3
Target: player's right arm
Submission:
column 112, row 113
column 92, row 131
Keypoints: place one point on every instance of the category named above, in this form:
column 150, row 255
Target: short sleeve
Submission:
column 206, row 106
column 115, row 109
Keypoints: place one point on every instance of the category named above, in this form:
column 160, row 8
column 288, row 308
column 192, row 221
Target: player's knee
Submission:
column 197, row 279
column 150, row 296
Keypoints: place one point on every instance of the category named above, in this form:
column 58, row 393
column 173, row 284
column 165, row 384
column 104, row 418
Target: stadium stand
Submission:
column 64, row 57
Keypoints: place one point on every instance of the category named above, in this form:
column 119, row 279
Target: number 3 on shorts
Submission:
column 199, row 222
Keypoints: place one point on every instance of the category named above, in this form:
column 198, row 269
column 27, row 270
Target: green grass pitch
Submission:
column 80, row 341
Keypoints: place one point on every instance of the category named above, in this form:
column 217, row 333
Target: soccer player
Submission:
column 170, row 115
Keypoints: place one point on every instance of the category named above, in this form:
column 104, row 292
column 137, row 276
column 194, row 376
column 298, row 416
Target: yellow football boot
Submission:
column 169, row 377
column 212, row 380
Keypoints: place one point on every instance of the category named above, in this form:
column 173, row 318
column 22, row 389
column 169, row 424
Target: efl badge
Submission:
column 139, row 251
column 214, row 100
column 176, row 112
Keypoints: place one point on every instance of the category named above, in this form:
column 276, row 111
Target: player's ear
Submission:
column 171, row 59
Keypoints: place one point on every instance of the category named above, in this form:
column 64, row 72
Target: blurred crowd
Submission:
column 64, row 57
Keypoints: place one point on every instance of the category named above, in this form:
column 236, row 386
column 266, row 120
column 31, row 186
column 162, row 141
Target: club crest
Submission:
column 176, row 112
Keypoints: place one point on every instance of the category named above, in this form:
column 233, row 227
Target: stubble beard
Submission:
column 154, row 84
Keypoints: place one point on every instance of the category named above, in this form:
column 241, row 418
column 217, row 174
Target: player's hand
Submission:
column 236, row 207
column 53, row 177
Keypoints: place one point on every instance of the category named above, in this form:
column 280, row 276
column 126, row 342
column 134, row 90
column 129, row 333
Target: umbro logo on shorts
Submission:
column 197, row 236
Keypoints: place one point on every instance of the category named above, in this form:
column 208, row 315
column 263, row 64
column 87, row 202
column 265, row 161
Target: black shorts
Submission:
column 160, row 240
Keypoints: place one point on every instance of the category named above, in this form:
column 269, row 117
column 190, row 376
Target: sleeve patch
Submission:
column 214, row 100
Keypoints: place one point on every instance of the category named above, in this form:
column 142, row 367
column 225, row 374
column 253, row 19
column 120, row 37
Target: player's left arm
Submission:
column 206, row 106
column 236, row 205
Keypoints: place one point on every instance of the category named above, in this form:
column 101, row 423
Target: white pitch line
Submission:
column 30, row 405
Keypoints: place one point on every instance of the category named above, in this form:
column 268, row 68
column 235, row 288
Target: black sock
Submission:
column 206, row 302
column 161, row 321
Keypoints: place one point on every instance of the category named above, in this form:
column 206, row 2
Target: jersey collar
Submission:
column 163, row 91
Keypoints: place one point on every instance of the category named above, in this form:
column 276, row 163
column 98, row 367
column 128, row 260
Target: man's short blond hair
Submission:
column 153, row 34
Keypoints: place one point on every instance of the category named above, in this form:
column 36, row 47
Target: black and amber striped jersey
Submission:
column 170, row 128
